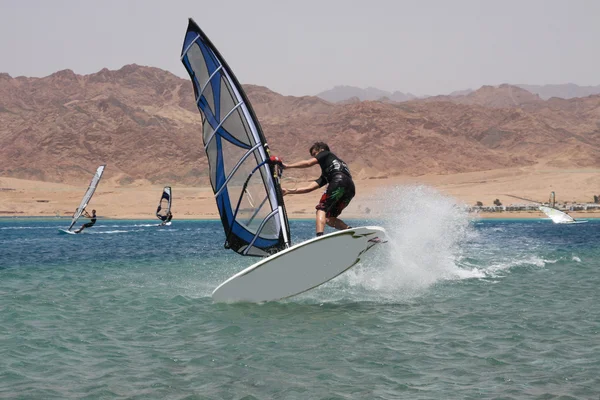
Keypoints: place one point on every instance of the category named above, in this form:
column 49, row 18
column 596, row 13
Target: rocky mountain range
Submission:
column 346, row 94
column 563, row 91
column 144, row 124
column 490, row 96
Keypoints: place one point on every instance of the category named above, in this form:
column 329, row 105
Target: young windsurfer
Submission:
column 89, row 224
column 340, row 190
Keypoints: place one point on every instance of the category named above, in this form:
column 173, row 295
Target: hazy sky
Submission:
column 303, row 47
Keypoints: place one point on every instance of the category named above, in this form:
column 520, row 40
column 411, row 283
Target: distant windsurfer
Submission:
column 89, row 224
column 340, row 190
column 164, row 218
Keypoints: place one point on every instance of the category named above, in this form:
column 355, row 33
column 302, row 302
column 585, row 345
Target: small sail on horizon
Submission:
column 246, row 186
column 164, row 204
column 87, row 196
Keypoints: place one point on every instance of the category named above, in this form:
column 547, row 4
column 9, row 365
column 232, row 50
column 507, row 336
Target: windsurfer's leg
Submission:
column 320, row 222
column 88, row 225
column 336, row 209
column 322, row 214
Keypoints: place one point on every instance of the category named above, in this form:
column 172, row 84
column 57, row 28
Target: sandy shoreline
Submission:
column 375, row 198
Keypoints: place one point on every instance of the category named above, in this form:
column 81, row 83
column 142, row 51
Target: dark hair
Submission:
column 318, row 147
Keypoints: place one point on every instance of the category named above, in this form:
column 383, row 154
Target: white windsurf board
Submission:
column 301, row 267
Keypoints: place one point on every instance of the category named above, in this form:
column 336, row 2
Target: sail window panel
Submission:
column 232, row 155
column 212, row 153
column 257, row 187
column 212, row 61
column 198, row 64
column 271, row 229
column 207, row 130
column 255, row 206
column 208, row 95
column 235, row 124
column 273, row 226
column 228, row 98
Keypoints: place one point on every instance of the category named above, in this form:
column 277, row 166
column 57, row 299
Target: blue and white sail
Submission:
column 245, row 185
column 87, row 196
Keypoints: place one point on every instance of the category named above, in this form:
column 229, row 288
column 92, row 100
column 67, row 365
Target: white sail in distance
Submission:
column 557, row 216
column 87, row 196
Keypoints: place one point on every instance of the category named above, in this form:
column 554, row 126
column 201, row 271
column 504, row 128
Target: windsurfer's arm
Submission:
column 302, row 164
column 306, row 189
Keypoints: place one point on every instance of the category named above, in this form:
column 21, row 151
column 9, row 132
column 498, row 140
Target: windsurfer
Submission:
column 165, row 218
column 340, row 190
column 89, row 224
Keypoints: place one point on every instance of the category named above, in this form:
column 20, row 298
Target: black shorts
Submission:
column 88, row 225
column 338, row 195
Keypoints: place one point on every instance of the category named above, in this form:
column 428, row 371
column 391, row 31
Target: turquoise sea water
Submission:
column 451, row 309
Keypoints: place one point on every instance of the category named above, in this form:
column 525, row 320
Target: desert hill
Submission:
column 143, row 123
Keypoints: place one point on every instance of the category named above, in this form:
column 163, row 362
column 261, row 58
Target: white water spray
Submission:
column 425, row 229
